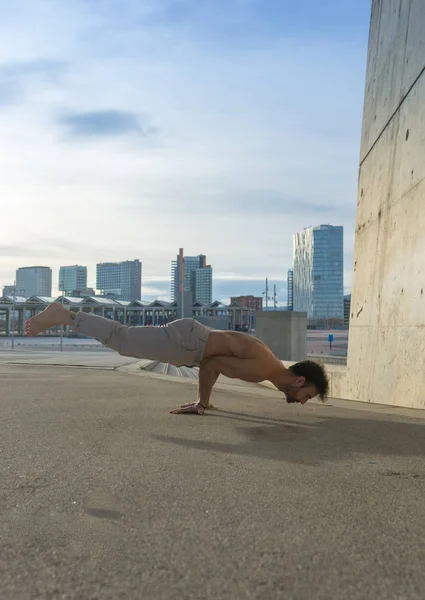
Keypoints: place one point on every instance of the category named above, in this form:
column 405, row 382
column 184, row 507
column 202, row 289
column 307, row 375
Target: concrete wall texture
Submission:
column 284, row 332
column 214, row 322
column 387, row 326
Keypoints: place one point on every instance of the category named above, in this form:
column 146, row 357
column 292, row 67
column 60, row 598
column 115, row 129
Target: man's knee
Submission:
column 118, row 337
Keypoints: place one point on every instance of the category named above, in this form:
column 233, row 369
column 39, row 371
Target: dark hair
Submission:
column 314, row 374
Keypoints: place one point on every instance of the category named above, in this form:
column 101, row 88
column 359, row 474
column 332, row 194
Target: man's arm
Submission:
column 247, row 369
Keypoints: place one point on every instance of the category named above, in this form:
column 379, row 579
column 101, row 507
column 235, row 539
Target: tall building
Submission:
column 318, row 286
column 120, row 280
column 252, row 302
column 194, row 275
column 290, row 285
column 72, row 279
column 34, row 281
column 201, row 285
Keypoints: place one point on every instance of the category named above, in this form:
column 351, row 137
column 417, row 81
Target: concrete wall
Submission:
column 284, row 332
column 214, row 322
column 387, row 326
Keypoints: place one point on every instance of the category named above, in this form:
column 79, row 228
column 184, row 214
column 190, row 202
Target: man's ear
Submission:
column 300, row 381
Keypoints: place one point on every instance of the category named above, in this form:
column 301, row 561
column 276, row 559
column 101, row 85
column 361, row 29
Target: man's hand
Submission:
column 190, row 408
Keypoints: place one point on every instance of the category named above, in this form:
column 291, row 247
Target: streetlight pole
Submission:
column 266, row 293
column 182, row 283
column 13, row 314
column 63, row 292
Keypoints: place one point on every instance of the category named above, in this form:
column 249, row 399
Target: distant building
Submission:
column 290, row 285
column 201, row 284
column 193, row 275
column 318, row 273
column 120, row 280
column 252, row 302
column 9, row 290
column 82, row 293
column 34, row 281
column 72, row 279
column 347, row 310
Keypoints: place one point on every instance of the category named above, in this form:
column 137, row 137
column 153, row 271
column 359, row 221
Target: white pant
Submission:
column 181, row 342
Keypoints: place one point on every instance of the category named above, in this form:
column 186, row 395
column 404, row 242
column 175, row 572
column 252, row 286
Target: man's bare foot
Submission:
column 190, row 408
column 54, row 314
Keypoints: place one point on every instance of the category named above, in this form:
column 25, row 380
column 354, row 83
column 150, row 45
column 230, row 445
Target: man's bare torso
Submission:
column 237, row 344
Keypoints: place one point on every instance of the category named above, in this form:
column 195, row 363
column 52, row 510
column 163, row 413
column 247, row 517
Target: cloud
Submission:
column 257, row 140
column 19, row 78
column 104, row 123
column 10, row 92
column 244, row 202
column 46, row 68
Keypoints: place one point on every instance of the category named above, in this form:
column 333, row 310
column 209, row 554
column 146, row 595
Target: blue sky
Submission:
column 132, row 128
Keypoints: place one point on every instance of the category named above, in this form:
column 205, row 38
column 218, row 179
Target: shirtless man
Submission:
column 188, row 342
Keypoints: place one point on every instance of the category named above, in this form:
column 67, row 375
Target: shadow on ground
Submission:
column 322, row 440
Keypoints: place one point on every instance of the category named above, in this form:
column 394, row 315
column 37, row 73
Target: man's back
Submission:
column 238, row 344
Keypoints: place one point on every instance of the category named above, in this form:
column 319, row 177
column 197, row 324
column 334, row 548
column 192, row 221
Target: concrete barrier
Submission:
column 284, row 332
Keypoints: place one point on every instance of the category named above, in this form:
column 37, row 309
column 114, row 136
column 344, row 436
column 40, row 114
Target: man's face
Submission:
column 300, row 394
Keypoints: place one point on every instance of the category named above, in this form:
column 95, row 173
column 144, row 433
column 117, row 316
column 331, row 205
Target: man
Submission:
column 188, row 342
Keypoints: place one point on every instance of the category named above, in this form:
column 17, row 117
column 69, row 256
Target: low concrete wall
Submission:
column 284, row 332
column 214, row 322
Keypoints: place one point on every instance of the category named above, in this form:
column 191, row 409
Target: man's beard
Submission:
column 290, row 399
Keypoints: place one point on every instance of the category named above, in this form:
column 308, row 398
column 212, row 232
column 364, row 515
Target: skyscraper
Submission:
column 72, row 279
column 201, row 285
column 34, row 281
column 197, row 277
column 120, row 280
column 318, row 287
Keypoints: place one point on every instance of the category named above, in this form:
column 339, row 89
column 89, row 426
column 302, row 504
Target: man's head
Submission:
column 308, row 380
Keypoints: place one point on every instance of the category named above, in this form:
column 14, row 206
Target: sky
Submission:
column 130, row 129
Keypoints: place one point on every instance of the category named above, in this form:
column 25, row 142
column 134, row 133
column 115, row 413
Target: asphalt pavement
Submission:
column 104, row 495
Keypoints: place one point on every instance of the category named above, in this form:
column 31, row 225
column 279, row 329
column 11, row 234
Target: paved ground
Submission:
column 105, row 495
column 85, row 357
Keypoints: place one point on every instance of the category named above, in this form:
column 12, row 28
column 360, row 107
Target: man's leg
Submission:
column 137, row 342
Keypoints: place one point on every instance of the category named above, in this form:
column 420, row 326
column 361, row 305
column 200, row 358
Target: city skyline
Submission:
column 215, row 119
column 224, row 290
column 231, row 288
